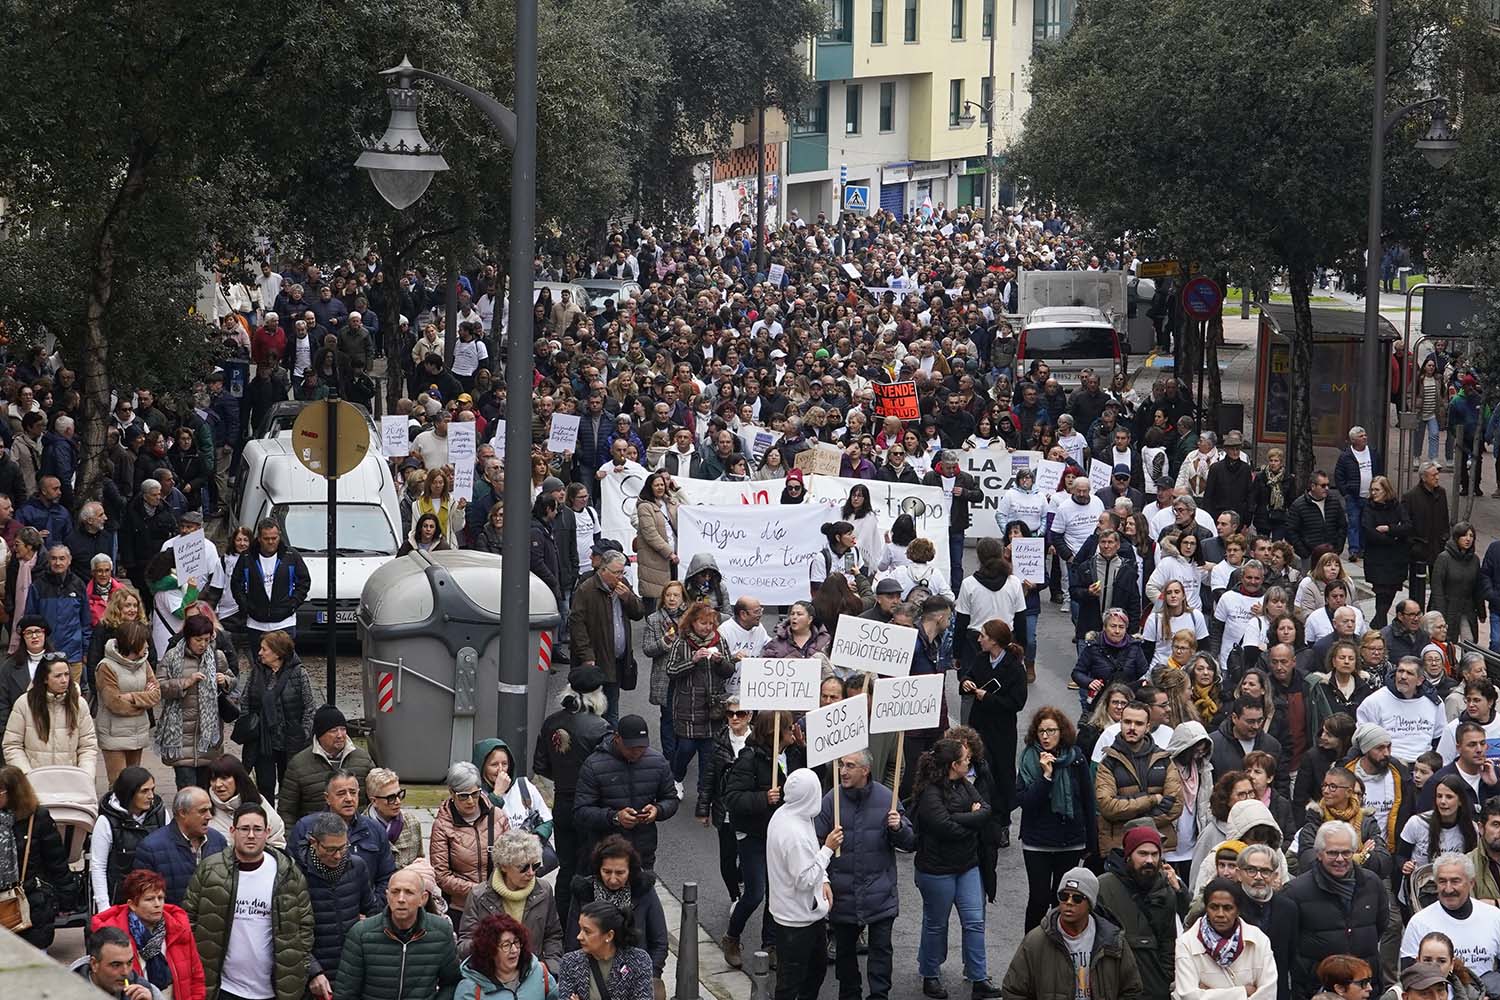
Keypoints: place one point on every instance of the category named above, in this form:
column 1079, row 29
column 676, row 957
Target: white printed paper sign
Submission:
column 1099, row 475
column 864, row 645
column 395, row 441
column 781, row 684
column 906, row 703
column 564, row 435
column 836, row 729
column 1028, row 557
column 777, row 274
column 761, row 551
column 1049, row 475
column 461, row 452
column 192, row 559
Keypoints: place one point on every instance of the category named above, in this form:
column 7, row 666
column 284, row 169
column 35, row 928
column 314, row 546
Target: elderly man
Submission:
column 175, row 851
column 403, row 952
column 1412, row 714
column 1404, row 635
column 1357, row 465
column 308, row 772
column 92, row 537
column 61, row 599
column 743, row 632
column 339, row 888
column 1338, row 908
column 1473, row 929
column 363, row 837
column 599, row 625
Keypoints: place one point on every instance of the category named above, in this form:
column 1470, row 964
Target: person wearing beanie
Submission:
column 1076, row 952
column 1390, row 796
column 307, row 773
column 1145, row 896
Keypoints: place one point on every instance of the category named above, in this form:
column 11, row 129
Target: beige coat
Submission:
column 653, row 546
column 24, row 747
column 1251, row 976
column 127, row 689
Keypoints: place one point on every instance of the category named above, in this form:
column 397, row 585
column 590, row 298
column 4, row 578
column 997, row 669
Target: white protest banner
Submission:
column 991, row 469
column 564, row 435
column 1049, row 475
column 901, row 704
column 947, row 230
column 928, row 508
column 619, row 492
column 192, row 559
column 461, row 452
column 1028, row 557
column 761, row 551
column 864, row 645
column 852, row 270
column 1098, row 475
column 395, row 441
column 776, row 275
column 836, row 729
column 779, row 684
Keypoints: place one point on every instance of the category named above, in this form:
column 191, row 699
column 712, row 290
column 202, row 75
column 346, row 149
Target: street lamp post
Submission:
column 401, row 171
column 968, row 118
column 1437, row 146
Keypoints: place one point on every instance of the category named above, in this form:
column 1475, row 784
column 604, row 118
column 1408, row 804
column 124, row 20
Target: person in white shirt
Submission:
column 1479, row 698
column 469, row 354
column 1192, row 478
column 1023, row 502
column 1158, row 704
column 1182, row 513
column 1413, row 718
column 1236, row 608
column 1075, row 518
column 993, row 592
column 744, row 634
column 1072, row 442
column 1473, row 928
column 1172, row 616
column 1177, row 560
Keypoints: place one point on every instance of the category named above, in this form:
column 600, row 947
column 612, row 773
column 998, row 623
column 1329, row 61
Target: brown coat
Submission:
column 591, row 628
column 653, row 546
column 460, row 850
column 1124, row 795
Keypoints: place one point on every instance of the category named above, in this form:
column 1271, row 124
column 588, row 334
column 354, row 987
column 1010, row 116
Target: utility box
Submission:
column 430, row 626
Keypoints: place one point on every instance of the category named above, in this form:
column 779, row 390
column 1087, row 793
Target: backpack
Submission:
column 919, row 592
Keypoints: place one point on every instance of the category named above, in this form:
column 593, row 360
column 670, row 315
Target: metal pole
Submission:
column 515, row 574
column 687, row 944
column 450, row 318
column 989, row 137
column 332, row 621
column 1371, row 408
column 760, row 975
column 760, row 188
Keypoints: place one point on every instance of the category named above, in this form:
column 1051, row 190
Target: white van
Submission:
column 1070, row 339
column 274, row 484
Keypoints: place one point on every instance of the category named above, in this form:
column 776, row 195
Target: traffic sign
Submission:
column 310, row 437
column 1159, row 269
column 857, row 198
column 1201, row 298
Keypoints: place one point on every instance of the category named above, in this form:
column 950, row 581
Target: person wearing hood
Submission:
column 705, row 583
column 1190, row 750
column 1076, row 951
column 1457, row 586
column 801, row 894
column 1407, row 709
column 1250, row 822
column 502, row 964
column 1145, row 896
column 567, row 738
column 516, row 890
column 514, row 794
column 625, row 785
column 1109, row 657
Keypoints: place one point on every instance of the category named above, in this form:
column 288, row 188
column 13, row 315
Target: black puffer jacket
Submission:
column 126, row 834
column 562, row 747
column 336, row 907
column 949, row 827
column 711, row 802
column 1323, row 926
column 607, row 783
column 746, row 785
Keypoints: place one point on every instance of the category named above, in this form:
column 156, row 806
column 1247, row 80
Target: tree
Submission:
column 1234, row 134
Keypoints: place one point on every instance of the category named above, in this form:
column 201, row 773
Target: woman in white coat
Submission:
column 1220, row 956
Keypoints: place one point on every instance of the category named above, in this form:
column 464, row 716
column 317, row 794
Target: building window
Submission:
column 986, row 99
column 958, row 20
column 910, row 23
column 812, row 117
column 1051, row 20
column 987, row 21
column 955, row 102
column 887, row 107
column 838, row 28
column 877, row 22
column 853, row 94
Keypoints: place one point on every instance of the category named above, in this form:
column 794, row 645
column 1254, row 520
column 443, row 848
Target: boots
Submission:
column 732, row 952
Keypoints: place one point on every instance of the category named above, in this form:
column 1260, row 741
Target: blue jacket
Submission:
column 367, row 840
column 864, row 877
column 1463, row 413
column 52, row 518
column 64, row 603
column 1346, row 471
column 225, row 410
column 59, row 457
column 167, row 852
column 336, row 907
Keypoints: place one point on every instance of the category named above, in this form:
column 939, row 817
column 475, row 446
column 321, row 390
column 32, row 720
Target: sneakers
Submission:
column 732, row 952
column 934, row 988
column 985, row 990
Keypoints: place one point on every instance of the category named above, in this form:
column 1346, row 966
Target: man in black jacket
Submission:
column 1229, row 481
column 1145, row 896
column 1427, row 504
column 962, row 489
column 339, row 887
column 1316, row 518
column 1337, row 908
column 567, row 738
column 270, row 583
column 1247, row 719
column 625, row 786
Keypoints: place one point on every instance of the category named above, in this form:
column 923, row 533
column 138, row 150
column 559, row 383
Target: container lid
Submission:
column 400, row 592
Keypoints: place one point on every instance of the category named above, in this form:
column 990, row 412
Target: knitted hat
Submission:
column 326, row 718
column 1140, row 835
column 1368, row 736
column 1233, row 846
column 1081, row 880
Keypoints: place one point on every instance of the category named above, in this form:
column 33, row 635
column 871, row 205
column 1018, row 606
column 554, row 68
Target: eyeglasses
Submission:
column 399, row 795
column 1048, row 731
column 1257, row 872
column 1071, row 897
column 530, row 866
column 1338, row 855
column 510, row 944
column 1364, row 983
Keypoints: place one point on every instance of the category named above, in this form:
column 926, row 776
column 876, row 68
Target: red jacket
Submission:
column 265, row 340
column 182, row 950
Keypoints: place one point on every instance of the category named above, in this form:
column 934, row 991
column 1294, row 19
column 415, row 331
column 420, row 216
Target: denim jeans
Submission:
column 877, row 963
column 668, row 734
column 1354, row 507
column 685, row 750
column 1031, row 617
column 1494, row 632
column 940, row 893
column 612, row 703
column 1430, row 427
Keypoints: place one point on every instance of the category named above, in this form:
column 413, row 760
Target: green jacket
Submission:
column 1486, row 886
column 210, row 905
column 1148, row 922
column 307, row 774
column 376, row 965
column 1042, row 969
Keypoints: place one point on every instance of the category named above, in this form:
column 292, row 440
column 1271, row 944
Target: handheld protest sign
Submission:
column 863, row 645
column 1028, row 558
column 1049, row 475
column 779, row 684
column 776, row 753
column 1099, row 475
column 837, row 729
column 904, row 703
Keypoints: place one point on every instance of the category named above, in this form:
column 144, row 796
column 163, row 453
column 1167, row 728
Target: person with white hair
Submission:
column 463, row 835
column 1473, row 928
column 1339, row 907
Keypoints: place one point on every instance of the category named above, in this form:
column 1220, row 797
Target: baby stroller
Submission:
column 71, row 798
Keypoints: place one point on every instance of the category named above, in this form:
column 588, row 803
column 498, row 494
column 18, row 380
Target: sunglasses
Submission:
column 738, row 714
column 466, row 795
column 1071, row 897
column 397, row 796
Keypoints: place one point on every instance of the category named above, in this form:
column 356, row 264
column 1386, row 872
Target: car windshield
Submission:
column 362, row 528
column 1069, row 342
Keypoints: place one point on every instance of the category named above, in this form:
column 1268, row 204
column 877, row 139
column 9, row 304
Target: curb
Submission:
column 714, row 974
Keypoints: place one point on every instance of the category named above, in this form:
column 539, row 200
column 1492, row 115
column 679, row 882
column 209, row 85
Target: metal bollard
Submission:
column 687, row 944
column 760, row 976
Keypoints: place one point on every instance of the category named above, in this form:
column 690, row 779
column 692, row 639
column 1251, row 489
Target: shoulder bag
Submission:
column 15, row 908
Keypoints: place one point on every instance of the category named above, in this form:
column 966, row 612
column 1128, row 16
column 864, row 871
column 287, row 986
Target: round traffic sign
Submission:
column 310, row 437
column 1201, row 298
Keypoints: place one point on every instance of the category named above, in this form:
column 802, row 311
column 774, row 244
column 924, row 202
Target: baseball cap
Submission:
column 632, row 731
column 1122, row 470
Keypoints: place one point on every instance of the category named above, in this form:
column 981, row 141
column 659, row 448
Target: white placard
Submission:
column 1028, row 558
column 756, row 441
column 192, row 559
column 947, row 230
column 783, row 684
column 461, row 452
column 1049, row 475
column 852, row 270
column 395, row 440
column 497, row 435
column 564, row 436
column 836, row 729
column 776, row 274
column 901, row 704
column 865, row 645
column 1099, row 475
column 761, row 551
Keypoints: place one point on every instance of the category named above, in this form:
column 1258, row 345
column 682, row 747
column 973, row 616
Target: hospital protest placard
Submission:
column 820, row 460
column 926, row 505
column 837, row 729
column 192, row 559
column 782, row 684
column 896, row 399
column 864, row 645
column 1028, row 558
column 900, row 704
column 761, row 551
column 1099, row 475
column 564, row 434
column 461, row 452
column 395, row 440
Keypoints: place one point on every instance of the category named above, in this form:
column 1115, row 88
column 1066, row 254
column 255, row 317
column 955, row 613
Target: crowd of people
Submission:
column 1261, row 792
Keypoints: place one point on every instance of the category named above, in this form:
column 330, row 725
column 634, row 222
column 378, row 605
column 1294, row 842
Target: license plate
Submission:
column 342, row 618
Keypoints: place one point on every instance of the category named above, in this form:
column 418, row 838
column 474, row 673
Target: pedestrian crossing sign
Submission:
column 857, row 198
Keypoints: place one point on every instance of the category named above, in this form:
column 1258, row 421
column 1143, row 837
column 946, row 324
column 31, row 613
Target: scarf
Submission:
column 620, row 898
column 1349, row 814
column 151, row 947
column 1062, row 798
column 23, row 585
column 695, row 641
column 514, row 900
column 331, row 875
column 10, row 859
column 1222, row 948
column 202, row 698
column 1205, row 700
column 1275, row 482
column 393, row 826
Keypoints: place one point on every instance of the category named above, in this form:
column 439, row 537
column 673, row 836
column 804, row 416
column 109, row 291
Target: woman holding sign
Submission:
column 997, row 682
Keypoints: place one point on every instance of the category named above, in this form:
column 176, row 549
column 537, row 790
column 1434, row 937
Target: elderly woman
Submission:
column 463, row 837
column 616, row 877
column 30, row 846
column 502, row 964
column 51, row 725
column 190, row 734
column 102, row 583
column 513, row 889
column 514, row 794
column 160, row 935
column 699, row 666
column 402, row 829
